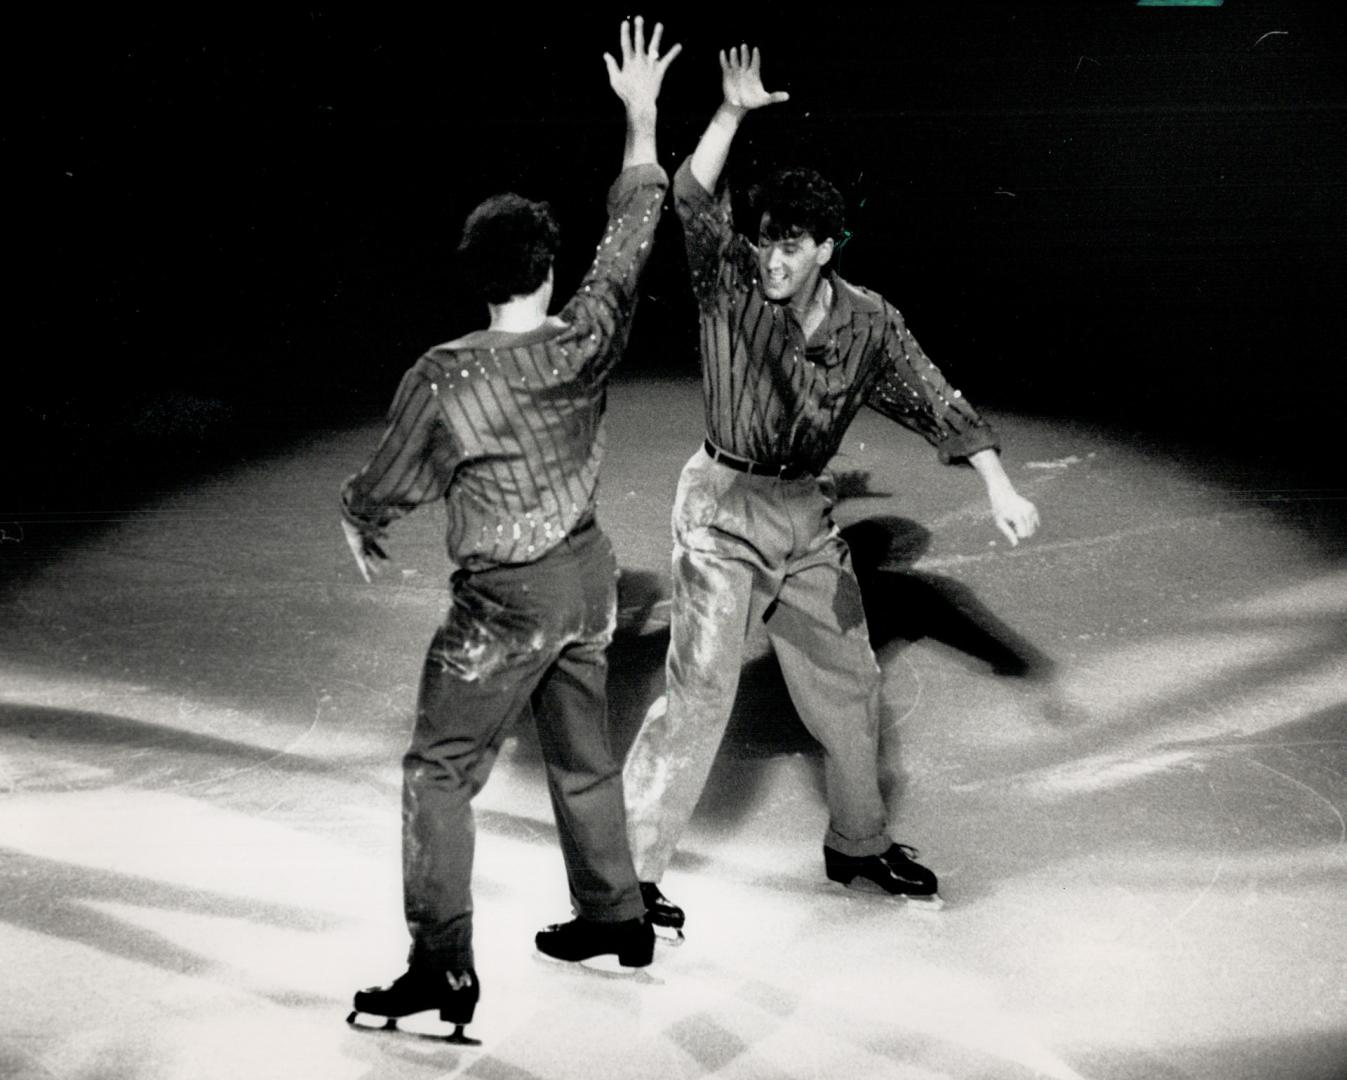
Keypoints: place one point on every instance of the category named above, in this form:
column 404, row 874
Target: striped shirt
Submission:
column 507, row 428
column 776, row 398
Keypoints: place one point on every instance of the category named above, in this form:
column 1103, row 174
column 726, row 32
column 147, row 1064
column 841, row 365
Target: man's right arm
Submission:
column 741, row 84
column 707, row 229
column 411, row 467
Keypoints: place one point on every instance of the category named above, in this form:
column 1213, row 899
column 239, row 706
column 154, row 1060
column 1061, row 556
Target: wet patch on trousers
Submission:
column 411, row 805
column 692, row 581
column 696, row 507
column 705, row 603
column 601, row 623
column 847, row 606
column 662, row 779
column 482, row 636
column 703, row 587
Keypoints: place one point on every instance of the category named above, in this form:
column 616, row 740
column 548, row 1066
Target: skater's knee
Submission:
column 422, row 769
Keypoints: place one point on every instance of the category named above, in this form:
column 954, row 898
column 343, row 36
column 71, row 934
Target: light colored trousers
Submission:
column 752, row 547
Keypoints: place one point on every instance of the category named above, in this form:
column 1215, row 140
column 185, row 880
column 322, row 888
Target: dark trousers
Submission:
column 521, row 638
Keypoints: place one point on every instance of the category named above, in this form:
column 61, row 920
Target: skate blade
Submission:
column 609, row 964
column 931, row 902
column 370, row 1022
column 424, row 1025
column 606, row 964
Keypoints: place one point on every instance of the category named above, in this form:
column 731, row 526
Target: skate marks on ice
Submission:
column 805, row 981
column 770, row 985
column 832, row 988
column 245, row 1040
column 1210, row 763
column 1245, row 676
column 725, row 1019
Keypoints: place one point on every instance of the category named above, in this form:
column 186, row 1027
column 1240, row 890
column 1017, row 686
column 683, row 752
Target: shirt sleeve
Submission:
column 606, row 300
column 412, row 466
column 719, row 259
column 911, row 390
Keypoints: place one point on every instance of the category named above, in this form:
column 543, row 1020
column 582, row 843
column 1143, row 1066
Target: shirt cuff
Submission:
column 962, row 445
column 373, row 529
column 634, row 178
column 688, row 189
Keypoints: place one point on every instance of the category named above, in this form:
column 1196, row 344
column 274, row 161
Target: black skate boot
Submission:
column 617, row 947
column 893, row 872
column 420, row 990
column 665, row 916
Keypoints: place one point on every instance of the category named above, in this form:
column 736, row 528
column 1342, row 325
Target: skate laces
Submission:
column 899, row 854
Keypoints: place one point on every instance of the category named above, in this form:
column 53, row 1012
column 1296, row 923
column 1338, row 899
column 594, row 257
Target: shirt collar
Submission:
column 841, row 309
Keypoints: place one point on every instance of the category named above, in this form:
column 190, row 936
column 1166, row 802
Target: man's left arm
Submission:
column 912, row 390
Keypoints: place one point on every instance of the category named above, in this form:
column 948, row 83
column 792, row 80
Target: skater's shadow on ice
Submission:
column 83, row 905
column 905, row 605
column 60, row 749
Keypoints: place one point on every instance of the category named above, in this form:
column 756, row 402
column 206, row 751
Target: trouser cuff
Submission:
column 426, row 957
column 876, row 844
column 628, row 905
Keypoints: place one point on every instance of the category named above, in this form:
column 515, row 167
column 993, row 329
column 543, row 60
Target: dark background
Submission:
column 230, row 229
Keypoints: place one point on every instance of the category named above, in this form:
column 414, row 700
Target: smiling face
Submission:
column 789, row 262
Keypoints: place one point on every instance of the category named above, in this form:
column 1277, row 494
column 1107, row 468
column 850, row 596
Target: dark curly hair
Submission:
column 508, row 246
column 800, row 201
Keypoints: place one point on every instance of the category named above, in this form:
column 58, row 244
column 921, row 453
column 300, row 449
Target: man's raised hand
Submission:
column 636, row 80
column 741, row 80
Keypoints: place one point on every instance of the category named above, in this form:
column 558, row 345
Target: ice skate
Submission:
column 421, row 990
column 893, row 873
column 665, row 917
column 613, row 947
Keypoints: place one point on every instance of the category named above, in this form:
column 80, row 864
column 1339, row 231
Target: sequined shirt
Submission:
column 776, row 398
column 507, row 428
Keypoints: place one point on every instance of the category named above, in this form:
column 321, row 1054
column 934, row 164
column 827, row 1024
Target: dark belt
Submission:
column 754, row 468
